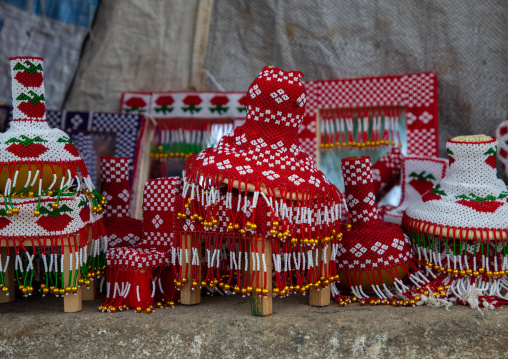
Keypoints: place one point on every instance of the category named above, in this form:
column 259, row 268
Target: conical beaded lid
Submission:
column 265, row 151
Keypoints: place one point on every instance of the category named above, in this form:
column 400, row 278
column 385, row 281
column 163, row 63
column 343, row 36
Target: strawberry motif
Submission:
column 243, row 103
column 27, row 147
column 488, row 204
column 434, row 195
column 84, row 213
column 71, row 149
column 69, row 146
column 219, row 103
column 192, row 102
column 34, row 105
column 56, row 220
column 4, row 222
column 32, row 110
column 164, row 103
column 421, row 182
column 503, row 131
column 503, row 153
column 491, row 159
column 450, row 154
column 51, row 224
column 29, row 76
column 29, row 80
column 135, row 104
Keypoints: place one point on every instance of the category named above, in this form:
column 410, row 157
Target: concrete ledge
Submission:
column 223, row 327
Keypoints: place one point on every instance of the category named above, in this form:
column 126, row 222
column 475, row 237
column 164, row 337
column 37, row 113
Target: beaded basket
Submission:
column 49, row 201
column 460, row 228
column 258, row 184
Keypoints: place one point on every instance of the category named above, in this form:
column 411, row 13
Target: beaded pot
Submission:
column 375, row 259
column 49, row 204
column 460, row 228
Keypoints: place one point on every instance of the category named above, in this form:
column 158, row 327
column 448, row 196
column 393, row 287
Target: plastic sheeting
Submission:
column 52, row 29
column 137, row 45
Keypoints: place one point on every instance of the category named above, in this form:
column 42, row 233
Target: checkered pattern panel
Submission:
column 160, row 194
column 419, row 89
column 137, row 257
column 422, row 142
column 114, row 169
column 115, row 185
column 54, row 119
column 84, row 143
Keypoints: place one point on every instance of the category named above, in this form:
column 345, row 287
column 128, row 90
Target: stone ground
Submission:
column 222, row 327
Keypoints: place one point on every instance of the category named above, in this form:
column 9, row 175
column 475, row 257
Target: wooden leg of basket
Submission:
column 8, row 276
column 321, row 297
column 72, row 303
column 91, row 292
column 187, row 295
column 261, row 305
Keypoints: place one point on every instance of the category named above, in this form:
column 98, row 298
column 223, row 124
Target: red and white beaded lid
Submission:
column 470, row 196
column 265, row 150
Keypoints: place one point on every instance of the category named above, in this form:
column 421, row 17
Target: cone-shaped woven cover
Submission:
column 265, row 150
column 470, row 196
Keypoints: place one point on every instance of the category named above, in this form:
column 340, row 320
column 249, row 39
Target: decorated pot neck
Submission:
column 359, row 191
column 472, row 160
column 28, row 95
